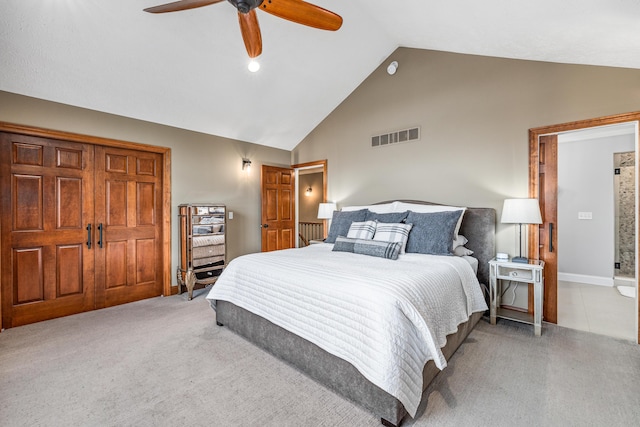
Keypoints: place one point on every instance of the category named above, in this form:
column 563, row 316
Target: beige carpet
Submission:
column 164, row 362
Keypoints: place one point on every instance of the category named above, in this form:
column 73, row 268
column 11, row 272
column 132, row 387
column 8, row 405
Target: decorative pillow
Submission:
column 393, row 233
column 362, row 230
column 462, row 251
column 460, row 240
column 419, row 208
column 432, row 233
column 341, row 222
column 387, row 217
column 389, row 250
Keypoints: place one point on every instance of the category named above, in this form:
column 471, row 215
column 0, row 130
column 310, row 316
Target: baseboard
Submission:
column 624, row 281
column 583, row 278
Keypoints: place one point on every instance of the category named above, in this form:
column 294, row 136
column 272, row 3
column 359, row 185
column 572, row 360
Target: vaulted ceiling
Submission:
column 188, row 69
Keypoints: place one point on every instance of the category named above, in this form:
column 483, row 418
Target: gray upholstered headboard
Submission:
column 479, row 226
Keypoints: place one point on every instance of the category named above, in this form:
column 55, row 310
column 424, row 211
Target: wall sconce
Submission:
column 246, row 165
column 308, row 192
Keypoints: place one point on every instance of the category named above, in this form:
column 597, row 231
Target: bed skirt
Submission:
column 331, row 371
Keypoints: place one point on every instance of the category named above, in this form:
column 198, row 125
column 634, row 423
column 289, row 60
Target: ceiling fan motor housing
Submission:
column 244, row 6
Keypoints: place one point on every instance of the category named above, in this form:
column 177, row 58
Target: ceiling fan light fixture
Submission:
column 253, row 66
column 298, row 11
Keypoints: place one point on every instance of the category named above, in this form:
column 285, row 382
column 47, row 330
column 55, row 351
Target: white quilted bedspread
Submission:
column 387, row 318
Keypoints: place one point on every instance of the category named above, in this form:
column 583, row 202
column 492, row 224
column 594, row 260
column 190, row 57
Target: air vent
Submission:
column 396, row 137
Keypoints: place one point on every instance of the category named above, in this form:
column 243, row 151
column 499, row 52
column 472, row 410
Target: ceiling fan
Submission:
column 294, row 10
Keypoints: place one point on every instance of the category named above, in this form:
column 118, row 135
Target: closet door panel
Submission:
column 27, row 200
column 46, row 205
column 68, row 203
column 116, row 263
column 145, row 204
column 69, row 270
column 129, row 267
column 145, row 266
column 28, row 275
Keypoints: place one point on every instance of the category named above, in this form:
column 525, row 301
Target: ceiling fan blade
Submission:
column 251, row 33
column 180, row 5
column 303, row 13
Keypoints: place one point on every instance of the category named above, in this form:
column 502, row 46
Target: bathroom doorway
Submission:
column 596, row 217
column 625, row 223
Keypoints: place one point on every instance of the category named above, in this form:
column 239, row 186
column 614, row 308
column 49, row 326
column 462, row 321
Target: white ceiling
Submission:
column 189, row 69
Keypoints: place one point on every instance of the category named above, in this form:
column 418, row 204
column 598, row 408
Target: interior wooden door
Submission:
column 547, row 231
column 46, row 208
column 128, row 225
column 278, row 208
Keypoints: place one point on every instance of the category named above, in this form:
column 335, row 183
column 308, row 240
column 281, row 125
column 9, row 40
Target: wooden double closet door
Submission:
column 81, row 227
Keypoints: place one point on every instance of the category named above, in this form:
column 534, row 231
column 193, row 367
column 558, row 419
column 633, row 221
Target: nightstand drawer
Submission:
column 511, row 273
column 208, row 251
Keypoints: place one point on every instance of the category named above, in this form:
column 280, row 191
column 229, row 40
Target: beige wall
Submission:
column 308, row 204
column 474, row 113
column 204, row 168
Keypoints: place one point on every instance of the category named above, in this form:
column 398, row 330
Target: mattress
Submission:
column 387, row 318
column 473, row 262
column 207, row 251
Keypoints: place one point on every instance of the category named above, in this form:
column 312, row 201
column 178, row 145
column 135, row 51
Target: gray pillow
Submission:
column 432, row 232
column 393, row 217
column 389, row 250
column 341, row 222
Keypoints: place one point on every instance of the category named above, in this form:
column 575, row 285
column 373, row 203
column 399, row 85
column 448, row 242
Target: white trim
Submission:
column 626, row 128
column 583, row 278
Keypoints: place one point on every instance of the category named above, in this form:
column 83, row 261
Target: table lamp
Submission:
column 521, row 211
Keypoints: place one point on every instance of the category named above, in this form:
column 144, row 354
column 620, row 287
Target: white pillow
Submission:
column 462, row 251
column 383, row 208
column 393, row 232
column 362, row 230
column 460, row 240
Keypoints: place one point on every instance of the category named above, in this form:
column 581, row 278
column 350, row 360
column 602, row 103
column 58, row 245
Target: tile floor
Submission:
column 598, row 309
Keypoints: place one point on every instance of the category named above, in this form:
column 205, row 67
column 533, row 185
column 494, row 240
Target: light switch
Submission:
column 585, row 215
column 230, row 215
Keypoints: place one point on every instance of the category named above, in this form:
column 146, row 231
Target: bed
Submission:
column 381, row 351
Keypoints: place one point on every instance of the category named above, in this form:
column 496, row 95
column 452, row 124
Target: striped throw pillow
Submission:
column 393, row 232
column 389, row 250
column 362, row 230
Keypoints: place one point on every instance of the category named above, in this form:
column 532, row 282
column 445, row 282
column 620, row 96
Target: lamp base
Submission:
column 520, row 259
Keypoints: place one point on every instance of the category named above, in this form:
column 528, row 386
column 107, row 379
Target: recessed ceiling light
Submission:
column 254, row 66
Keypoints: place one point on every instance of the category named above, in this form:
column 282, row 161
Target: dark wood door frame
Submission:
column 534, row 184
column 166, row 182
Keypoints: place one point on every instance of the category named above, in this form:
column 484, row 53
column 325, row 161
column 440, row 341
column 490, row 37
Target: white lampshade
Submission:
column 325, row 210
column 521, row 211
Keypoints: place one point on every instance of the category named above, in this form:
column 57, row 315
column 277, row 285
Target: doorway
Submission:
column 588, row 189
column 544, row 186
column 311, row 182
